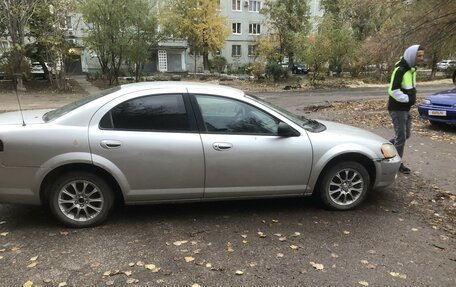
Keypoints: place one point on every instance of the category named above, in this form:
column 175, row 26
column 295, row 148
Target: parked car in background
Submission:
column 300, row 69
column 36, row 70
column 176, row 141
column 439, row 107
column 446, row 64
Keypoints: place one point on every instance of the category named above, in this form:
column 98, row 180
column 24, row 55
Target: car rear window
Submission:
column 54, row 114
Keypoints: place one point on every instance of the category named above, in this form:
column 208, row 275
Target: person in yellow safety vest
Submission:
column 402, row 96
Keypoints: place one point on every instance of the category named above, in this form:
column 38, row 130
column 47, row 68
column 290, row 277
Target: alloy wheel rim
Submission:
column 80, row 200
column 346, row 187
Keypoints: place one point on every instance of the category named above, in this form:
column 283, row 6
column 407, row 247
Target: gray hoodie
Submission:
column 410, row 55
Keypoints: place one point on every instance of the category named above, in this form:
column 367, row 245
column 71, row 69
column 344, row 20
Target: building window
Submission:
column 236, row 50
column 162, row 61
column 252, row 50
column 254, row 29
column 254, row 6
column 236, row 5
column 4, row 45
column 236, row 28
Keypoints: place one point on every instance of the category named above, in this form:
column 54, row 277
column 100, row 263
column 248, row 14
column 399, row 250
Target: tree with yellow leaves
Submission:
column 198, row 22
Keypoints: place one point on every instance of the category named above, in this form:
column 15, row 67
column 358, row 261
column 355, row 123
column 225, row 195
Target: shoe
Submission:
column 403, row 169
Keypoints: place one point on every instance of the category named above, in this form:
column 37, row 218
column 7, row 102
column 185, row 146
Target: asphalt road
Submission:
column 389, row 241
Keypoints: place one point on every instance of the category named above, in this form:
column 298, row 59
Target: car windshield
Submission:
column 308, row 124
column 54, row 114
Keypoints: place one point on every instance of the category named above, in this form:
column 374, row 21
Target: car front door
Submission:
column 244, row 155
column 151, row 145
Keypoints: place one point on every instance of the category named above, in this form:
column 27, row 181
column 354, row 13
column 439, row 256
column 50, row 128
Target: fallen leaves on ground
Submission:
column 317, row 265
column 398, row 275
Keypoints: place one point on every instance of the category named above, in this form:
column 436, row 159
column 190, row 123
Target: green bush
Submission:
column 218, row 63
column 275, row 71
column 258, row 69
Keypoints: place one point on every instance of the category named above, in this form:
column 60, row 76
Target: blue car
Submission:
column 439, row 107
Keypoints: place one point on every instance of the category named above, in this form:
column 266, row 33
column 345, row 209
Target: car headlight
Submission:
column 426, row 102
column 388, row 150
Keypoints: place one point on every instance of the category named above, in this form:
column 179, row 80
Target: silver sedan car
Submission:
column 175, row 141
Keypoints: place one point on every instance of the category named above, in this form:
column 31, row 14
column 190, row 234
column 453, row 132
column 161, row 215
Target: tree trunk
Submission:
column 206, row 62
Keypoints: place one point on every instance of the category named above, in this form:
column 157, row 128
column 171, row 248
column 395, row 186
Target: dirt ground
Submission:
column 401, row 236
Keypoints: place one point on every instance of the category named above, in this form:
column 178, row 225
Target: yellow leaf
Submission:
column 296, row 234
column 33, row 264
column 294, row 247
column 28, row 284
column 261, row 234
column 275, row 221
column 282, row 239
column 229, row 247
column 245, row 241
column 62, row 284
column 414, row 229
column 189, row 259
column 397, row 274
column 179, row 243
column 239, row 272
column 244, row 236
column 317, row 266
column 1, row 257
column 34, row 258
column 196, row 285
column 107, row 273
column 4, row 233
column 139, row 263
column 346, row 232
column 150, row 266
column 364, row 283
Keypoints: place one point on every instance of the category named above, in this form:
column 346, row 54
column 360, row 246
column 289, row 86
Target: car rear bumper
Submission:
column 16, row 185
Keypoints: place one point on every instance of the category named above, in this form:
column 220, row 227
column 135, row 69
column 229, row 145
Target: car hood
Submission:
column 444, row 98
column 30, row 117
column 339, row 131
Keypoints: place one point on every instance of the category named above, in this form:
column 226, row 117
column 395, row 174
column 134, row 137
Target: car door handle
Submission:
column 222, row 146
column 110, row 144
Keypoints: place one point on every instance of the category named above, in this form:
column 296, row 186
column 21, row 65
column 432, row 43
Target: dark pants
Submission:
column 402, row 123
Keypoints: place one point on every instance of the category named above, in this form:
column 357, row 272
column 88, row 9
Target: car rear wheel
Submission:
column 81, row 199
column 344, row 186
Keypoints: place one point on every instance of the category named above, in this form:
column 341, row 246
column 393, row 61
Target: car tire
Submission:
column 344, row 186
column 81, row 199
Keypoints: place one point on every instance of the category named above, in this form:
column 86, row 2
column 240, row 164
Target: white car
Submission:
column 446, row 64
column 176, row 141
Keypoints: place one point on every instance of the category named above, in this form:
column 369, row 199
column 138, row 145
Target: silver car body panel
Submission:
column 172, row 166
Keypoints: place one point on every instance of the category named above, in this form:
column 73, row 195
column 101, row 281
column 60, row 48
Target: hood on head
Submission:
column 410, row 55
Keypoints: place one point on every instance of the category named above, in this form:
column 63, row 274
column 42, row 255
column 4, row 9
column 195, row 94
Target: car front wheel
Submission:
column 344, row 186
column 81, row 199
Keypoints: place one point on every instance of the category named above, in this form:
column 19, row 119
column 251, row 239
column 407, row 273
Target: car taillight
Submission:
column 1, row 146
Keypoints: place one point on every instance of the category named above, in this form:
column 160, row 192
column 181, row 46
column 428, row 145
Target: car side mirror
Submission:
column 284, row 130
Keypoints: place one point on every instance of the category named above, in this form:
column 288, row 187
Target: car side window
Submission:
column 224, row 115
column 149, row 113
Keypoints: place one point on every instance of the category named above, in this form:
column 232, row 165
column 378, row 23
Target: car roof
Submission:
column 192, row 87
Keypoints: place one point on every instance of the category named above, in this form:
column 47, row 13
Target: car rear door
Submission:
column 150, row 143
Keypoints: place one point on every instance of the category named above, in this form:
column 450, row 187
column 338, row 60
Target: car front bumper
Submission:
column 438, row 113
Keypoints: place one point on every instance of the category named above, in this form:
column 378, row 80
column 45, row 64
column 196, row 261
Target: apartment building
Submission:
column 244, row 19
